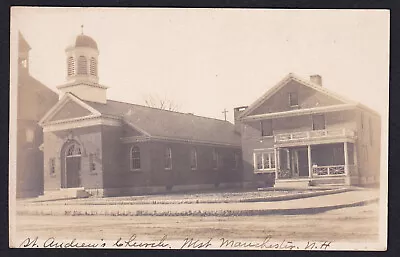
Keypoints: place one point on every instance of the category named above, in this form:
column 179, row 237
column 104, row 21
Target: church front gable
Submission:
column 294, row 96
column 69, row 111
column 69, row 107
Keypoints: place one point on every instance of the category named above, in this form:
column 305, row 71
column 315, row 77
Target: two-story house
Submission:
column 300, row 131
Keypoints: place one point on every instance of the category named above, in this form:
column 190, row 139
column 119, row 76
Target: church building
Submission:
column 109, row 148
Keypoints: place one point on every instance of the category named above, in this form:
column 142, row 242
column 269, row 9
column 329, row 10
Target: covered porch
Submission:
column 315, row 161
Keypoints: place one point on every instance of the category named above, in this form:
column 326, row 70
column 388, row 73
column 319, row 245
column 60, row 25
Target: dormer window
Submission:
column 293, row 99
column 82, row 65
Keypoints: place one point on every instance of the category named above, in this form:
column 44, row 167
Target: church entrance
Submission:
column 73, row 166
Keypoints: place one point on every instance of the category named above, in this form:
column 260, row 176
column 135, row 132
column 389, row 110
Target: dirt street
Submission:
column 349, row 224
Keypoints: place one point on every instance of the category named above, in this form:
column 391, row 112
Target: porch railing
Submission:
column 328, row 170
column 313, row 134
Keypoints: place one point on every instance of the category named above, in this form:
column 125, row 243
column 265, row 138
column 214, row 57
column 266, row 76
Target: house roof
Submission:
column 170, row 124
column 23, row 45
column 319, row 88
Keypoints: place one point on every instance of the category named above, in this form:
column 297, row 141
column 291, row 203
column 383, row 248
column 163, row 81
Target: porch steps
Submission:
column 309, row 182
column 64, row 193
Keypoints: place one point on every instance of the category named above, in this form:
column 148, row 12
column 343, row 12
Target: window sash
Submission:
column 293, row 99
column 266, row 128
column 135, row 158
column 193, row 160
column 52, row 166
column 168, row 159
column 215, row 160
column 264, row 160
column 235, row 161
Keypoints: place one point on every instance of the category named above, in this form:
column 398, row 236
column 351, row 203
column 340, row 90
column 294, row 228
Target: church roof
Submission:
column 170, row 124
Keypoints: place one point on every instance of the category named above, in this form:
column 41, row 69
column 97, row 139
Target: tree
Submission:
column 162, row 103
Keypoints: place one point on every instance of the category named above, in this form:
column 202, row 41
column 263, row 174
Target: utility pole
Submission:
column 224, row 112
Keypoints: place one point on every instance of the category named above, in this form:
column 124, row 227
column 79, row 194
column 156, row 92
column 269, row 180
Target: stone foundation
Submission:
column 126, row 191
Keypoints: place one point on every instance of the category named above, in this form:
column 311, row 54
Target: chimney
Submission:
column 236, row 113
column 316, row 79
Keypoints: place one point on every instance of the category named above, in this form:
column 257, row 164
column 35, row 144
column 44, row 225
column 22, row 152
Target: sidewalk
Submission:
column 289, row 207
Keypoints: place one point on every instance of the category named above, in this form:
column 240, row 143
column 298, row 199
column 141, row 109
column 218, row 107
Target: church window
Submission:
column 52, row 166
column 135, row 158
column 73, row 150
column 82, row 65
column 193, row 159
column 92, row 164
column 168, row 159
column 215, row 159
column 93, row 67
column 293, row 99
column 71, row 66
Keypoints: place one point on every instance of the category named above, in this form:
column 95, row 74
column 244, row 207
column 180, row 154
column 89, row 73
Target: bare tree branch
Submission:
column 161, row 103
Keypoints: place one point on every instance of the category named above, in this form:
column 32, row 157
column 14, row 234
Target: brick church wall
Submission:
column 90, row 140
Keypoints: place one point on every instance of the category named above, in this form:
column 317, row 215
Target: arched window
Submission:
column 215, row 159
column 135, row 158
column 93, row 66
column 193, row 159
column 71, row 66
column 82, row 65
column 73, row 150
column 168, row 159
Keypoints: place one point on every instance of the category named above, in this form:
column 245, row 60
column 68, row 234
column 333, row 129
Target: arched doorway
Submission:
column 72, row 161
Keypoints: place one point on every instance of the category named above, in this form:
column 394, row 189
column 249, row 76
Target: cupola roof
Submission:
column 85, row 41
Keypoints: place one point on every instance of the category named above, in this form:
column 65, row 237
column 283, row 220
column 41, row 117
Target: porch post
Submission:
column 276, row 163
column 346, row 161
column 355, row 158
column 309, row 161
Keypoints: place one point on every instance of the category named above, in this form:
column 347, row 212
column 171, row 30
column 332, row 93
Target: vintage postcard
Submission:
column 142, row 128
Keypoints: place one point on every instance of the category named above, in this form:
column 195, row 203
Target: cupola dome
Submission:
column 85, row 41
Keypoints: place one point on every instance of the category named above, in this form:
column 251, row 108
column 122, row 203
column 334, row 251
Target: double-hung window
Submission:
column 264, row 160
column 168, row 159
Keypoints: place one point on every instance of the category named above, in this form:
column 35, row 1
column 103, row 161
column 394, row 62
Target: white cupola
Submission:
column 82, row 71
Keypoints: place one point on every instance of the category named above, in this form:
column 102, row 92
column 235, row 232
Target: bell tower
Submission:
column 82, row 70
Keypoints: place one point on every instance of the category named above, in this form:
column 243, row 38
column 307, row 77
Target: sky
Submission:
column 206, row 60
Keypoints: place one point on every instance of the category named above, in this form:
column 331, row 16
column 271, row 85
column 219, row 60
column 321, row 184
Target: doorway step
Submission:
column 64, row 193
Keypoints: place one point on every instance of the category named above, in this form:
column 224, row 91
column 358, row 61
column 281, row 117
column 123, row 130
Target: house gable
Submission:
column 307, row 96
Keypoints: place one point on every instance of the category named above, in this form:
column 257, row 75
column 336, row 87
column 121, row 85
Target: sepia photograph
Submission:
column 201, row 129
